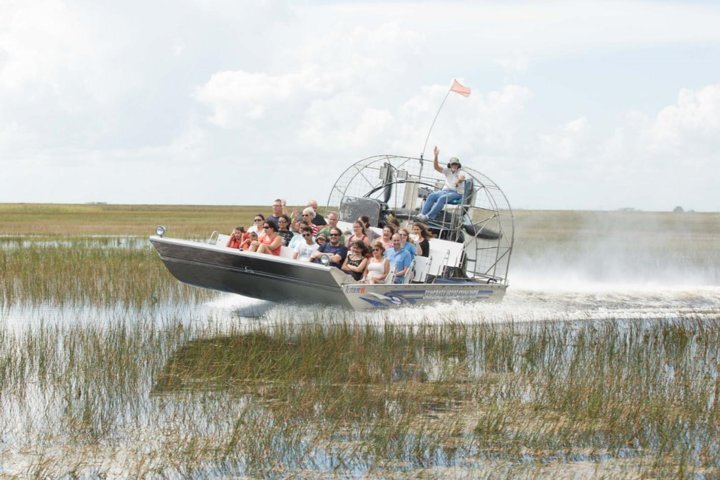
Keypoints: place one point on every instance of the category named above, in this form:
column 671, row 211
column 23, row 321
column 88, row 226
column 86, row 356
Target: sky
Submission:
column 574, row 105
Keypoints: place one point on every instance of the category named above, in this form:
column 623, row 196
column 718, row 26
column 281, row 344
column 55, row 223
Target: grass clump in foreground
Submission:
column 611, row 398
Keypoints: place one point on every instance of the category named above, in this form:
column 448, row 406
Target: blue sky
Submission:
column 574, row 105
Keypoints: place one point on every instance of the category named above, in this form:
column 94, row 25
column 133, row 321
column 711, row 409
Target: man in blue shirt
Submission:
column 399, row 259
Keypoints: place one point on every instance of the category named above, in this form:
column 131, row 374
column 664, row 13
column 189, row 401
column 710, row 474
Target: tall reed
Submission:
column 75, row 272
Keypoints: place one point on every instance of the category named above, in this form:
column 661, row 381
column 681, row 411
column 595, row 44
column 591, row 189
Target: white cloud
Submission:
column 37, row 40
column 691, row 126
column 567, row 142
column 148, row 90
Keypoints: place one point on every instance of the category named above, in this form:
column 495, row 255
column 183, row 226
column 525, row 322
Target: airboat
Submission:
column 468, row 261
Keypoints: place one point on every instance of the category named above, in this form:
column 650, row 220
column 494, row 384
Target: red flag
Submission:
column 457, row 88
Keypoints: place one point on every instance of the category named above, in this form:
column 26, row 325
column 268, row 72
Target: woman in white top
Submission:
column 378, row 267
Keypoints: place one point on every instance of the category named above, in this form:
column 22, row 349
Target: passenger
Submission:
column 399, row 259
column 270, row 243
column 422, row 238
column 356, row 261
column 252, row 237
column 318, row 219
column 358, row 235
column 257, row 224
column 406, row 242
column 297, row 234
column 307, row 215
column 394, row 222
column 378, row 267
column 336, row 250
column 305, row 248
column 332, row 219
column 237, row 237
column 452, row 190
column 321, row 239
column 368, row 231
column 284, row 229
column 277, row 208
column 386, row 239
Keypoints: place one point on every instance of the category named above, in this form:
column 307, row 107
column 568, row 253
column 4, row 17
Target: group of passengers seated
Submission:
column 361, row 253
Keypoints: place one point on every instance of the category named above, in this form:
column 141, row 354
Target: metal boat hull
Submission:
column 285, row 280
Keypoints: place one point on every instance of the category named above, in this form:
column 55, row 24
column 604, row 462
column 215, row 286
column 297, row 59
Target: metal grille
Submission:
column 393, row 185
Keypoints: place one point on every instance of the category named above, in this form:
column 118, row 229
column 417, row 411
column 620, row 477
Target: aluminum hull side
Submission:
column 288, row 281
column 254, row 275
column 364, row 297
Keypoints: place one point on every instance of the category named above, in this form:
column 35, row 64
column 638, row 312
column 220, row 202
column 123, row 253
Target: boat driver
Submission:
column 333, row 248
column 452, row 190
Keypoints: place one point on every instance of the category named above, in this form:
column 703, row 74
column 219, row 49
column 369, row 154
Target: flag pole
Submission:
column 454, row 87
column 433, row 122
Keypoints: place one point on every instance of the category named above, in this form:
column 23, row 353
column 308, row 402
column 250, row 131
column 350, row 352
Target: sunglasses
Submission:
column 334, row 235
column 266, row 226
column 258, row 219
column 307, row 235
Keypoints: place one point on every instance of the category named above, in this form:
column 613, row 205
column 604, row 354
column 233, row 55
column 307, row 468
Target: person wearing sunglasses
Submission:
column 305, row 248
column 270, row 243
column 332, row 220
column 335, row 250
column 257, row 224
column 307, row 215
column 378, row 267
column 284, row 229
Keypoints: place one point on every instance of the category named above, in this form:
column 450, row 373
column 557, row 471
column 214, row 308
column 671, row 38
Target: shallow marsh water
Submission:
column 124, row 373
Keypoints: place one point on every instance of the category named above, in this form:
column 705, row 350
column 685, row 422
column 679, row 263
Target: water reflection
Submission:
column 363, row 368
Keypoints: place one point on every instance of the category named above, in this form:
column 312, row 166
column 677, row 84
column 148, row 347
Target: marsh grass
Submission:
column 196, row 221
column 636, row 398
column 106, row 272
